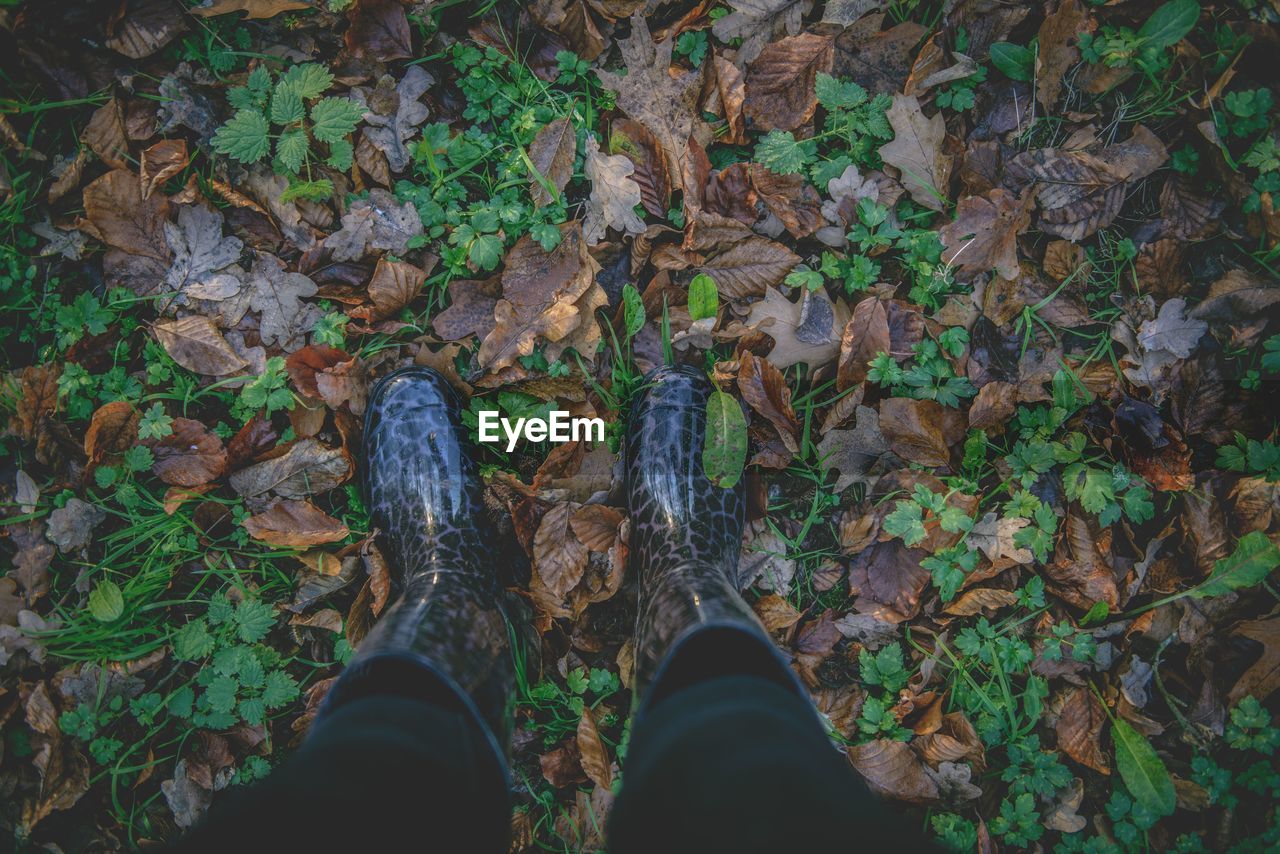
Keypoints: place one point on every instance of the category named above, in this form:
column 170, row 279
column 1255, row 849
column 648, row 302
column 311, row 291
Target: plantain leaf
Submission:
column 1168, row 24
column 106, row 602
column 725, row 452
column 704, row 297
column 1143, row 773
column 1252, row 561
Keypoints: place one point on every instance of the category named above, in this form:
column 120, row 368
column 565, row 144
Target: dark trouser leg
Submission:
column 378, row 772
column 740, row 763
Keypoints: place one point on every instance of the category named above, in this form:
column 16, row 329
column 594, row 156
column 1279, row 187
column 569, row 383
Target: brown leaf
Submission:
column 551, row 154
column 307, row 468
column 666, row 103
column 115, row 207
column 1086, row 577
column 878, row 61
column 865, row 335
column 765, row 390
column 38, row 398
column 394, row 285
column 375, row 566
column 594, row 757
column 749, row 268
column 197, row 345
column 887, row 580
column 294, row 525
column 914, row 430
column 251, row 8
column 732, row 91
column 644, row 150
column 596, row 526
column 112, row 430
column 305, row 363
column 916, row 151
column 1079, row 729
column 993, row 406
column 559, row 557
column 147, row 26
column 563, row 766
column 1057, row 52
column 780, row 82
column 570, row 20
column 1263, row 676
column 790, row 198
column 984, row 234
column 379, row 30
column 540, row 290
column 106, row 137
column 190, row 456
column 893, row 770
column 775, row 612
column 161, row 162
column 980, row 599
column 470, row 311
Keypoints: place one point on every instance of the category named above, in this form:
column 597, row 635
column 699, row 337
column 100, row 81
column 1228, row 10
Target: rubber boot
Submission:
column 686, row 535
column 446, row 637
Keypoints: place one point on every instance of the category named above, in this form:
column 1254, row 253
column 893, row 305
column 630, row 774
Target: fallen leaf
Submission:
column 251, row 8
column 984, row 234
column 379, row 30
column 594, row 757
column 1058, row 53
column 913, row 430
column 146, row 27
column 1172, row 330
column 1263, row 676
column 161, row 162
column 780, row 81
column 642, row 148
column 665, row 103
column 765, row 390
column 887, row 581
column 394, row 285
column 559, row 557
column 113, row 429
column 277, row 295
column 758, row 22
column 790, row 198
column 71, row 525
column 865, row 335
column 105, row 135
column 307, row 468
column 393, row 116
column 197, row 345
column 614, row 195
column 190, row 456
column 916, row 151
column 199, row 253
column 892, row 769
column 749, row 268
column 540, row 291
column 1079, row 729
column 807, row 331
column 125, row 220
column 470, row 311
column 294, row 525
column 551, row 153
column 376, row 223
column 981, row 599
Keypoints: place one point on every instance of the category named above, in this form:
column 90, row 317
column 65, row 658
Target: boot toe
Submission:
column 674, row 386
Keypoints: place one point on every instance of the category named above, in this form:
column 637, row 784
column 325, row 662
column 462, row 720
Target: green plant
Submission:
column 304, row 126
column 1147, row 49
column 1252, row 456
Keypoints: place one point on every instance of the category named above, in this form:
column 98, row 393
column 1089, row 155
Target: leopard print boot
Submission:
column 424, row 497
column 686, row 534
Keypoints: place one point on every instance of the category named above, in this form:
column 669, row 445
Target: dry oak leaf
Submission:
column 807, row 331
column 294, row 525
column 893, row 770
column 376, row 223
column 757, row 22
column 913, row 429
column 251, row 8
column 765, row 390
column 653, row 95
column 559, row 557
column 984, row 234
column 189, row 456
column 1263, row 676
column 196, row 344
column 199, row 253
column 540, row 291
column 614, row 195
column 161, row 162
column 916, row 151
column 307, row 468
column 854, row 452
column 277, row 295
column 865, row 335
column 1079, row 729
column 780, row 81
column 392, row 117
column 112, row 430
column 551, row 153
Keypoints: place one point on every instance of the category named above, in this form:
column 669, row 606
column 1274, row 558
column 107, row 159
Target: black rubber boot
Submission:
column 446, row 637
column 686, row 535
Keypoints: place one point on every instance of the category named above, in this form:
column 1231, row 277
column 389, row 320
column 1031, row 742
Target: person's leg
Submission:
column 727, row 752
column 414, row 735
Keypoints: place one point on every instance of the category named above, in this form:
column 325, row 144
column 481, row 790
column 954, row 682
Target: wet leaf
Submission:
column 190, row 456
column 916, row 151
column 552, row 152
column 780, row 81
column 1144, row 774
column 294, row 525
column 725, row 453
column 196, row 344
